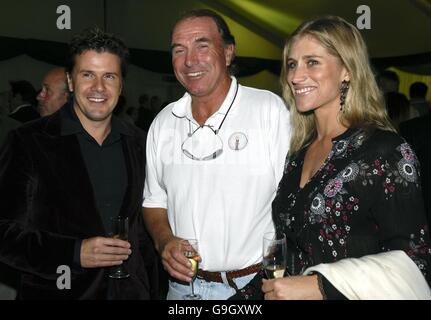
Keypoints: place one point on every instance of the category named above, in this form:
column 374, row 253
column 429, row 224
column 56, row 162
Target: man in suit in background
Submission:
column 6, row 123
column 22, row 101
column 8, row 278
column 418, row 92
column 388, row 81
column 417, row 132
column 62, row 179
column 54, row 92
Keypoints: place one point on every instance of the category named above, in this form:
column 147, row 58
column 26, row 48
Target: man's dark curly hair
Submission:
column 97, row 40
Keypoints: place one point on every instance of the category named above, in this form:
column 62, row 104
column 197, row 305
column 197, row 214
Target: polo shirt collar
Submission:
column 183, row 107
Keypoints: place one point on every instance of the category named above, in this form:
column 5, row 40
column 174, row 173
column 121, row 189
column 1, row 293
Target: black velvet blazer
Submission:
column 47, row 203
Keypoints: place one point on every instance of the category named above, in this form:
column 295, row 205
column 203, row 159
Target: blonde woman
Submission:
column 349, row 201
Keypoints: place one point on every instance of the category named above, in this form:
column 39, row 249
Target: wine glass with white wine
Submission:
column 190, row 249
column 274, row 255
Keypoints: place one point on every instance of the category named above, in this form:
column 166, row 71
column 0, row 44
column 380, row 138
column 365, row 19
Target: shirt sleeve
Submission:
column 398, row 208
column 155, row 195
column 279, row 135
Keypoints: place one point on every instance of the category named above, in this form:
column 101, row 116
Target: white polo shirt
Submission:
column 225, row 202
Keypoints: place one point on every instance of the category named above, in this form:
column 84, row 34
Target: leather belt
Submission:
column 210, row 276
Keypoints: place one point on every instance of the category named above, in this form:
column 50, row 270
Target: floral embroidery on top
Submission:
column 407, row 171
column 318, row 205
column 340, row 147
column 406, row 166
column 349, row 173
column 419, row 249
column 407, row 153
column 354, row 205
column 355, row 186
column 333, row 187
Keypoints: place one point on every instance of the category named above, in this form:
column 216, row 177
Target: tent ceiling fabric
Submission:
column 399, row 31
column 398, row 27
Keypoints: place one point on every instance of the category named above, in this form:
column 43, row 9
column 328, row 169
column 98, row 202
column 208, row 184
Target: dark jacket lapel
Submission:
column 135, row 164
column 67, row 169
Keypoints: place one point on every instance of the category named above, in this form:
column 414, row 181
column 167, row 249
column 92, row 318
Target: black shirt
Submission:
column 105, row 164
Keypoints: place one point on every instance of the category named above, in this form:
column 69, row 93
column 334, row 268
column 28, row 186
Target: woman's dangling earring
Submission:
column 343, row 93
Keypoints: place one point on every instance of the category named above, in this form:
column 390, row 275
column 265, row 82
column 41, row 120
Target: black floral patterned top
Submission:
column 365, row 199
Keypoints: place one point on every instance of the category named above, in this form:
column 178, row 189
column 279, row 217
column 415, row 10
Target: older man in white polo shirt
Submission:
column 214, row 160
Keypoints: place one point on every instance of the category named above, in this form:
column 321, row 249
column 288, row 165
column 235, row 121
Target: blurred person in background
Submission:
column 418, row 92
column 54, row 93
column 23, row 101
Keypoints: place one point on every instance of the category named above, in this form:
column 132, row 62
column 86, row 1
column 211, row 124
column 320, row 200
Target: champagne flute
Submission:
column 274, row 255
column 119, row 230
column 190, row 249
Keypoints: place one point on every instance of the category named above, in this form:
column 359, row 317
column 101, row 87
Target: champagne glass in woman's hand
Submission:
column 274, row 255
column 119, row 230
column 190, row 249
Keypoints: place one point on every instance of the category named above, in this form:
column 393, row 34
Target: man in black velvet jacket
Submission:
column 64, row 176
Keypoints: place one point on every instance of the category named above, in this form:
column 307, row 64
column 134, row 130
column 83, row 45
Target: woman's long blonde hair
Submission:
column 364, row 106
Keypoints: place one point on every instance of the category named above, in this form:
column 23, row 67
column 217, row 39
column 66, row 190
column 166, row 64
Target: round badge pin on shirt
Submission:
column 237, row 141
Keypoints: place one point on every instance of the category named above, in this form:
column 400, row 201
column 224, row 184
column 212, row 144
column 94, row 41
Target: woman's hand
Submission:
column 292, row 288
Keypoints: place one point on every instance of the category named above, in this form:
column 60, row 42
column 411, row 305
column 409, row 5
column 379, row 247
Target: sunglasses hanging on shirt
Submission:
column 204, row 143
